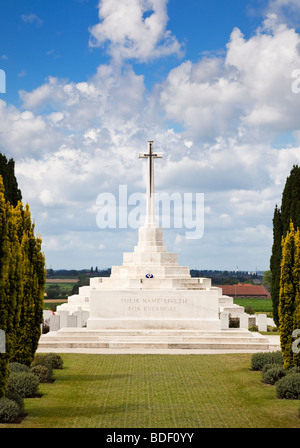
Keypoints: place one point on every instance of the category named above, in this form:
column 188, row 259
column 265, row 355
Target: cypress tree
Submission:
column 275, row 263
column 22, row 276
column 287, row 295
column 15, row 280
column 34, row 276
column 289, row 211
column 296, row 277
column 8, row 285
column 290, row 205
column 4, row 359
column 38, row 277
column 12, row 193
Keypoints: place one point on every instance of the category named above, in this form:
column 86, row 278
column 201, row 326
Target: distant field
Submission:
column 68, row 285
column 64, row 289
column 54, row 301
column 258, row 304
column 61, row 280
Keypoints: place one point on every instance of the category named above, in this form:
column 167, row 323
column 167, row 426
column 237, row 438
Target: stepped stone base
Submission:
column 131, row 340
column 168, row 312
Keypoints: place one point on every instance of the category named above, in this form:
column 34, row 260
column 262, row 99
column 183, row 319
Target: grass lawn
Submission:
column 158, row 391
column 259, row 304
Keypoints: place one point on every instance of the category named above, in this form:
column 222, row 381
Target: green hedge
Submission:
column 26, row 384
column 9, row 410
column 260, row 359
column 273, row 374
column 14, row 396
column 55, row 360
column 18, row 367
column 289, row 387
column 42, row 373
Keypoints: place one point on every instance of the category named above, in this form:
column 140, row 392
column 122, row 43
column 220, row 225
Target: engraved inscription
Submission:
column 153, row 304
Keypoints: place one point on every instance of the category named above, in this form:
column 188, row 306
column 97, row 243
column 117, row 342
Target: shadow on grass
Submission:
column 91, row 411
column 99, row 377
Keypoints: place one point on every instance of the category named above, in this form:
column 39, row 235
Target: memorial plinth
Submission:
column 168, row 298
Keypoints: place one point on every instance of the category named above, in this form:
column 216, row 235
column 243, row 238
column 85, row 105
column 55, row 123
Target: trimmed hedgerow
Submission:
column 14, row 396
column 55, row 360
column 18, row 367
column 26, row 384
column 9, row 410
column 260, row 359
column 289, row 387
column 42, row 373
column 273, row 374
column 293, row 370
column 267, row 367
column 42, row 360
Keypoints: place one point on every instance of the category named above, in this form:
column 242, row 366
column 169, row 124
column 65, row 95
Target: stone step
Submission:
column 146, row 339
column 84, row 332
column 152, row 339
column 157, row 345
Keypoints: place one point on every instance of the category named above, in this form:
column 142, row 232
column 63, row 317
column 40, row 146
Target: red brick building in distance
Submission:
column 245, row 291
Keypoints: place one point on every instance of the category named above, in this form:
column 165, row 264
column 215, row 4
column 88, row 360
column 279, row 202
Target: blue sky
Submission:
column 50, row 37
column 88, row 82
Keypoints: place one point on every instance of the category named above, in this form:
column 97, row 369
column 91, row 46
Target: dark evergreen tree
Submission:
column 290, row 205
column 289, row 211
column 12, row 193
column 275, row 263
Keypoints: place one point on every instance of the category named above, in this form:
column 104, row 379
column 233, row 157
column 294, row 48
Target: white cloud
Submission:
column 202, row 98
column 23, row 132
column 110, row 94
column 134, row 29
column 285, row 10
column 249, row 89
column 32, row 19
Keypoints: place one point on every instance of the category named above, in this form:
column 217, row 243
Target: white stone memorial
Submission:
column 150, row 289
column 151, row 294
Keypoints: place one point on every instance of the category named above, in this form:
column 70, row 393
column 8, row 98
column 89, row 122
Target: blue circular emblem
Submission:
column 149, row 275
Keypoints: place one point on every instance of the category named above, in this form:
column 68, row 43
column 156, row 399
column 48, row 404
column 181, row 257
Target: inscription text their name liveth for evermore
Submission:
column 154, row 301
column 153, row 304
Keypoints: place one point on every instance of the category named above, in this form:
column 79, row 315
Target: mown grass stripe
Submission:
column 167, row 391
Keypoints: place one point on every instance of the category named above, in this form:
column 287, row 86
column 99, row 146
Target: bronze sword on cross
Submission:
column 150, row 218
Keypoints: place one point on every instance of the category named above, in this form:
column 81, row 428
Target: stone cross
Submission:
column 150, row 218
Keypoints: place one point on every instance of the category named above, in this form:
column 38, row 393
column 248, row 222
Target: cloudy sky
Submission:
column 215, row 84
